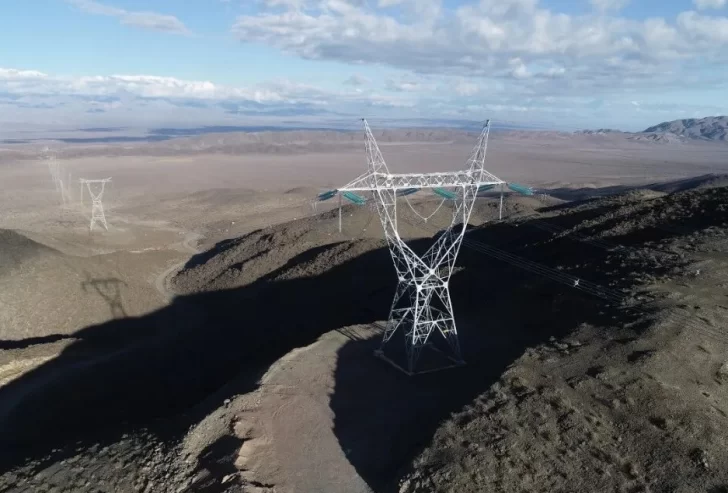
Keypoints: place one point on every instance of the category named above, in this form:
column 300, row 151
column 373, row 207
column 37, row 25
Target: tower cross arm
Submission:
column 398, row 181
column 104, row 180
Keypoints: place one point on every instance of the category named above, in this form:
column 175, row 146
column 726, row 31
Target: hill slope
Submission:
column 16, row 249
column 45, row 293
column 572, row 393
column 635, row 404
column 713, row 128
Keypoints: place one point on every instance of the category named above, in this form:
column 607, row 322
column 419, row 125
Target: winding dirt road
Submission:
column 162, row 280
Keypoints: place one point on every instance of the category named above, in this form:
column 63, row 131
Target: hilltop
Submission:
column 713, row 128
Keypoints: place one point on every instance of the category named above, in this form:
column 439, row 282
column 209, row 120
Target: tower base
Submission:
column 444, row 362
column 421, row 318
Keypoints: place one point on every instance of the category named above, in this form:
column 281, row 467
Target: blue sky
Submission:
column 554, row 63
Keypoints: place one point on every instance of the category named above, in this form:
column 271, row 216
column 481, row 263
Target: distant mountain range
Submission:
column 711, row 128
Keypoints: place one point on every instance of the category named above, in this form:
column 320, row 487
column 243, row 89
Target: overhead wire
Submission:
column 610, row 295
column 418, row 214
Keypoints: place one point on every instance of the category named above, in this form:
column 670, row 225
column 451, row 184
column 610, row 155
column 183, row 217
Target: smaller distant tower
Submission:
column 96, row 191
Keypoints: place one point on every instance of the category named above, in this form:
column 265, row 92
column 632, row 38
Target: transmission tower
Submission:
column 61, row 179
column 96, row 192
column 54, row 168
column 422, row 304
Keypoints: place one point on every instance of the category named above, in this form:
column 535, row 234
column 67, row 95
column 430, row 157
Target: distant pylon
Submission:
column 60, row 177
column 97, row 208
column 54, row 168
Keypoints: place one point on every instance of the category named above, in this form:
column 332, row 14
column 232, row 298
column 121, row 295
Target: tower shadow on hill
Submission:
column 109, row 290
column 383, row 418
column 139, row 372
column 134, row 372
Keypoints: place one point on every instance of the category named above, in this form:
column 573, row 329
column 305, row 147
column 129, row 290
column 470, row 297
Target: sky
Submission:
column 563, row 64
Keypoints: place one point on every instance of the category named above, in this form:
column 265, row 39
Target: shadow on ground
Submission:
column 383, row 418
column 137, row 372
column 131, row 372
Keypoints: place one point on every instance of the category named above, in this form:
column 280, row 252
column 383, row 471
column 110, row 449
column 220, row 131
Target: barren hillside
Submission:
column 46, row 295
column 709, row 128
column 635, row 399
column 616, row 383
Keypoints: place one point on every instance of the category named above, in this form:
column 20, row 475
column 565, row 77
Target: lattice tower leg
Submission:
column 340, row 205
column 97, row 215
column 422, row 303
column 500, row 209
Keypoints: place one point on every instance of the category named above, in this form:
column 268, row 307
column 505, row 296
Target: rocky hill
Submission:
column 600, row 131
column 46, row 295
column 713, row 128
column 613, row 383
column 618, row 403
column 15, row 249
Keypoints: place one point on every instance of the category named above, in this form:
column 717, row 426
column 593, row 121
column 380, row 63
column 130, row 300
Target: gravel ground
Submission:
column 214, row 392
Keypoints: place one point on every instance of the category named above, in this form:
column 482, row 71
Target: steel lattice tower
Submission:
column 422, row 304
column 97, row 208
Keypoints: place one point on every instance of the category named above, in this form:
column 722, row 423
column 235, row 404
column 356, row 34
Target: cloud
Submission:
column 356, row 80
column 427, row 10
column 143, row 20
column 710, row 4
column 11, row 74
column 607, row 5
column 482, row 39
column 705, row 30
column 31, row 96
column 464, row 88
column 403, row 85
column 294, row 4
column 519, row 69
column 115, row 91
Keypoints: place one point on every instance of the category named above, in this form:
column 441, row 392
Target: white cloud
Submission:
column 403, row 85
column 142, row 20
column 10, row 74
column 481, row 39
column 519, row 69
column 34, row 84
column 356, row 80
column 30, row 96
column 498, row 108
column 465, row 88
column 607, row 5
column 710, row 4
column 296, row 4
column 426, row 9
column 554, row 72
column 703, row 29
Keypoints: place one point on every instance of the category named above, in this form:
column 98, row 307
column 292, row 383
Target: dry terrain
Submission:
column 219, row 336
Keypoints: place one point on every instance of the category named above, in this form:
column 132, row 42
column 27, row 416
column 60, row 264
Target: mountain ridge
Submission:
column 707, row 129
column 714, row 128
